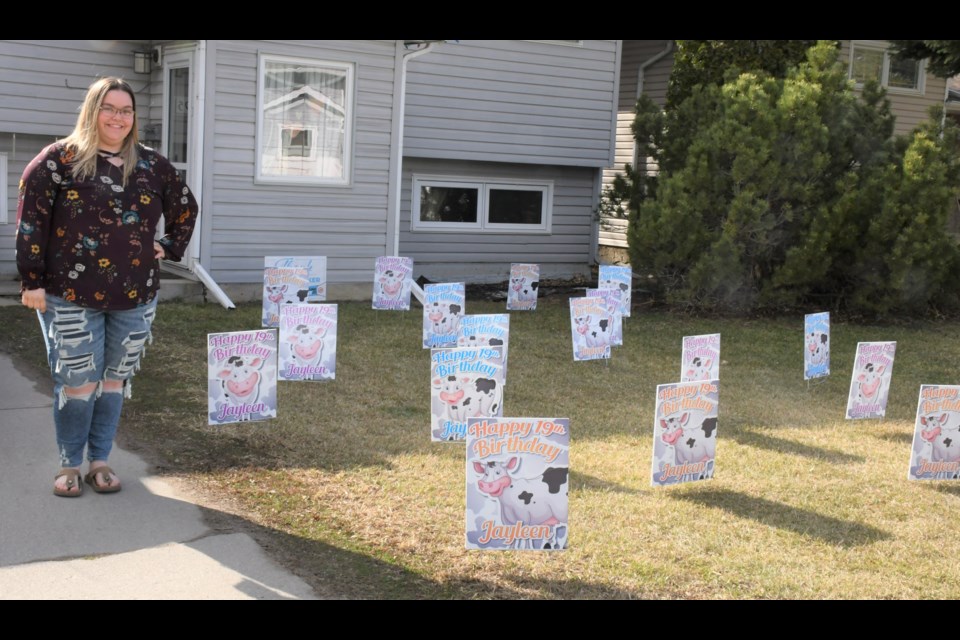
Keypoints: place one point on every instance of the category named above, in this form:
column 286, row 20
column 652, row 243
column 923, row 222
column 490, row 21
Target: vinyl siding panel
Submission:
column 44, row 81
column 513, row 101
column 472, row 256
column 348, row 224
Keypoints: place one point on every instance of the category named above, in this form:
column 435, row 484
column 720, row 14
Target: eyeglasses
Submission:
column 110, row 112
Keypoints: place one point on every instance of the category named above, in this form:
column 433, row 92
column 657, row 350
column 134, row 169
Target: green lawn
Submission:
column 346, row 485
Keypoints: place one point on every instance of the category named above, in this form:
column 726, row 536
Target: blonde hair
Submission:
column 84, row 142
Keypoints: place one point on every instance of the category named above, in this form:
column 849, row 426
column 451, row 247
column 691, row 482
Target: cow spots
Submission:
column 947, row 442
column 691, row 442
column 708, row 426
column 525, row 497
column 554, row 478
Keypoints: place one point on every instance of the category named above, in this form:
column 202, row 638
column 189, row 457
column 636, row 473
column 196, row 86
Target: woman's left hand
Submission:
column 158, row 251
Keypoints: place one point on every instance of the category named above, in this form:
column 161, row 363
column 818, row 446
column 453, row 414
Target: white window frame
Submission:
column 350, row 100
column 884, row 48
column 3, row 189
column 483, row 187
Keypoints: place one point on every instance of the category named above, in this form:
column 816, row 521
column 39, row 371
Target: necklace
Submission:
column 109, row 154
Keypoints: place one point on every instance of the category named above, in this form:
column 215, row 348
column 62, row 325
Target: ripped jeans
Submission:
column 87, row 346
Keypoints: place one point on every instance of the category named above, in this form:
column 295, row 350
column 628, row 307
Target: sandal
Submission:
column 74, row 486
column 108, row 485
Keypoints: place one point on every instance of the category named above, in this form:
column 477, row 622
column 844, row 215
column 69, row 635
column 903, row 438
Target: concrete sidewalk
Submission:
column 145, row 542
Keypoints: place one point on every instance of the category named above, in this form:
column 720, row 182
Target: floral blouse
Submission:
column 91, row 242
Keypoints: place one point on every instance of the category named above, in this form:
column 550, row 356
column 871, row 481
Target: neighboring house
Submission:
column 645, row 68
column 464, row 155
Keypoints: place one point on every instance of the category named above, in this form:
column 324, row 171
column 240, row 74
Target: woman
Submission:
column 89, row 206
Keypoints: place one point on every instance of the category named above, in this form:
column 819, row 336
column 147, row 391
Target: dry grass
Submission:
column 346, row 484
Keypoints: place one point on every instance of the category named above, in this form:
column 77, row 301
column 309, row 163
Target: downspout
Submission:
column 200, row 62
column 640, row 77
column 398, row 161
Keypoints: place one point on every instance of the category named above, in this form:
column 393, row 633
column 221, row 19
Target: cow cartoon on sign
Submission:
column 534, row 501
column 444, row 318
column 690, row 443
column 943, row 437
column 240, row 382
column 818, row 347
column 306, row 345
column 592, row 334
column 276, row 294
column 522, row 290
column 870, row 383
column 699, row 369
column 463, row 398
column 391, row 285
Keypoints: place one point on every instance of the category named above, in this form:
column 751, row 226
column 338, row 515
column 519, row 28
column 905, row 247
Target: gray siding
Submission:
column 513, row 101
column 486, row 257
column 247, row 221
column 44, row 81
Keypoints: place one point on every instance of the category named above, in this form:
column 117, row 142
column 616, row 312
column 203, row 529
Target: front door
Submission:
column 182, row 95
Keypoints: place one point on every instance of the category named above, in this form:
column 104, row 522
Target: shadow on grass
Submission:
column 332, row 572
column 775, row 514
column 338, row 573
column 582, row 481
column 782, row 445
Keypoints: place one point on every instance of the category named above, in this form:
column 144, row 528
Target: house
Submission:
column 464, row 155
column 646, row 69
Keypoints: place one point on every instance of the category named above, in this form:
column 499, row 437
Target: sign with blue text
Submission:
column 443, row 307
column 486, row 330
column 816, row 345
column 617, row 277
column 465, row 383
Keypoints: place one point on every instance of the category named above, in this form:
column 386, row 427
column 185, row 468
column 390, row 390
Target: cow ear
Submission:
column 923, row 420
column 256, row 362
column 880, row 369
column 943, row 419
column 684, row 418
column 513, row 463
column 663, row 423
column 861, row 377
column 223, row 374
column 708, row 363
column 478, row 467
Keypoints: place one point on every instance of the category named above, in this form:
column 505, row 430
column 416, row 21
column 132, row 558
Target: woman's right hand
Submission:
column 35, row 299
